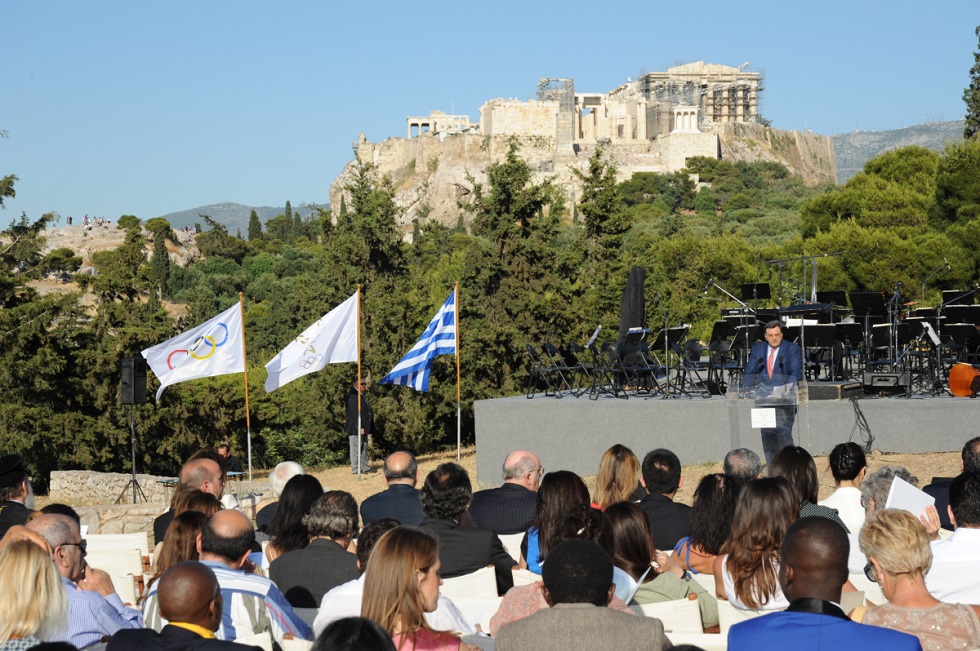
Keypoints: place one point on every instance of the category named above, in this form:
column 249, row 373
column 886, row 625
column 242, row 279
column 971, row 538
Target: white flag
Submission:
column 331, row 340
column 212, row 348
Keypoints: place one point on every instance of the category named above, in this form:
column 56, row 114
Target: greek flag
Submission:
column 439, row 338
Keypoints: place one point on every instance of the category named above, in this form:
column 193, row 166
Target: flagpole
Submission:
column 358, row 381
column 459, row 413
column 248, row 420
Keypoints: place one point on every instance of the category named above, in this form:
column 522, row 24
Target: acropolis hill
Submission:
column 652, row 124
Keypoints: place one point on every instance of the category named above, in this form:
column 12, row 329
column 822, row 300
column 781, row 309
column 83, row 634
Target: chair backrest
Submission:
column 679, row 616
column 124, row 567
column 729, row 615
column 263, row 640
column 481, row 583
column 525, row 577
column 112, row 541
column 478, row 610
column 512, row 544
column 707, row 581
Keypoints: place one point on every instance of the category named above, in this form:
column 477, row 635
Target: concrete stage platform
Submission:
column 572, row 433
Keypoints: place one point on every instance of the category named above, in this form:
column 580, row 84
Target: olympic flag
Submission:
column 212, row 348
column 439, row 338
column 331, row 340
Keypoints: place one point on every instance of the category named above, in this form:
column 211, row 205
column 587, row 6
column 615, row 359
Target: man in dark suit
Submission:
column 358, row 410
column 462, row 550
column 190, row 599
column 401, row 499
column 305, row 575
column 812, row 571
column 510, row 508
column 16, row 493
column 232, row 463
column 773, row 364
column 669, row 520
column 939, row 488
column 200, row 473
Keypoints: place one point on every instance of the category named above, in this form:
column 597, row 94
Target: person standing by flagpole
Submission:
column 358, row 413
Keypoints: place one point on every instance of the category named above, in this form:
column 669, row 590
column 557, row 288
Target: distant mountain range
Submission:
column 234, row 216
column 852, row 150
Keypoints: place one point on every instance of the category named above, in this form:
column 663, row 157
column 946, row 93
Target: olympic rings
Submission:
column 193, row 349
column 310, row 361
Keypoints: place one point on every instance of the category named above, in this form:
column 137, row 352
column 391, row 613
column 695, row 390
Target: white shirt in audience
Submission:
column 955, row 573
column 776, row 602
column 847, row 501
column 345, row 601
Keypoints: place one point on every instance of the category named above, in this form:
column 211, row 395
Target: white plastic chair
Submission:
column 525, row 577
column 263, row 640
column 679, row 616
column 512, row 544
column 98, row 542
column 124, row 567
column 729, row 615
column 478, row 610
column 481, row 583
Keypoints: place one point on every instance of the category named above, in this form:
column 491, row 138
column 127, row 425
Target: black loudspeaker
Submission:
column 132, row 382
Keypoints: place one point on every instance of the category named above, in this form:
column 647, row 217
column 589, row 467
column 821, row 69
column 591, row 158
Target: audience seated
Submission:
column 742, row 465
column 281, row 474
column 354, row 634
column 190, row 599
column 955, row 573
column 711, row 524
column 287, row 531
column 939, row 487
column 402, row 584
column 560, row 492
column 200, row 473
column 445, row 496
column 618, row 479
column 578, row 586
column 509, row 509
column 345, row 600
column 874, row 496
column 192, row 500
column 305, row 575
column 746, row 573
column 16, row 493
column 796, row 466
column 660, row 579
column 812, row 572
column 400, row 500
column 848, row 465
column 180, row 543
column 33, row 604
column 661, row 478
column 253, row 604
column 94, row 608
column 898, row 551
column 583, row 522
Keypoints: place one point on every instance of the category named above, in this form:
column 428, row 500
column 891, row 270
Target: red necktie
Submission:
column 772, row 359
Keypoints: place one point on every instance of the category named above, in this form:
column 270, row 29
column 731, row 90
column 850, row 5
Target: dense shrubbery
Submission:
column 531, row 269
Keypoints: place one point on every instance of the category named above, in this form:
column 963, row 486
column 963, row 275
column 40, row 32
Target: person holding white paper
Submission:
column 955, row 573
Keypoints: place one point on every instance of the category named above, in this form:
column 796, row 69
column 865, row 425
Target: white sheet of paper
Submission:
column 905, row 496
column 763, row 417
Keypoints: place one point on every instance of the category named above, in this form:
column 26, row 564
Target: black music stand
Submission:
column 666, row 340
column 835, row 297
column 958, row 297
column 754, row 291
column 868, row 305
column 850, row 335
column 721, row 330
column 822, row 335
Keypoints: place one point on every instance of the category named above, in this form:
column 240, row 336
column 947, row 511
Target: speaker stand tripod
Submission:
column 137, row 490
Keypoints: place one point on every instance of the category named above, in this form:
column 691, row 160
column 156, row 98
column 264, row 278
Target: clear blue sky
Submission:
column 146, row 108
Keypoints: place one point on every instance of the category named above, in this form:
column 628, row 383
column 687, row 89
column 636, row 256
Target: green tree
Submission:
column 6, row 182
column 254, row 227
column 971, row 95
column 958, row 183
column 127, row 222
column 160, row 262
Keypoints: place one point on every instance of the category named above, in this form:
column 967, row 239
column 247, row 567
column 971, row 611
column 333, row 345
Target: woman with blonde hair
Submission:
column 747, row 572
column 899, row 556
column 618, row 479
column 401, row 584
column 33, row 602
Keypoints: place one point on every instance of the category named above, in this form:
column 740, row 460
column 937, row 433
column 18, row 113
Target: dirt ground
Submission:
column 923, row 466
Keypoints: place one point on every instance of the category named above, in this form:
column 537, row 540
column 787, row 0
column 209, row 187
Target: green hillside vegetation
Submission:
column 531, row 268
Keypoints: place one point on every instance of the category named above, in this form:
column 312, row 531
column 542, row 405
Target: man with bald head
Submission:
column 94, row 608
column 253, row 604
column 401, row 499
column 201, row 474
column 510, row 508
column 190, row 599
column 812, row 572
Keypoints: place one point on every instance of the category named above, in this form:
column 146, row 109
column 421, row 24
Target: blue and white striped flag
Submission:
column 439, row 338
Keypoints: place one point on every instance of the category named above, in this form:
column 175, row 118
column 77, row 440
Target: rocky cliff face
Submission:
column 432, row 175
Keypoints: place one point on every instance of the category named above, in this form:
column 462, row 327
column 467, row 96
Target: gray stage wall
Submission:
column 572, row 433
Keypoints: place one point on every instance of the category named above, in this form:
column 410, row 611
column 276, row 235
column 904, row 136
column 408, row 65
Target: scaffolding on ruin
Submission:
column 552, row 89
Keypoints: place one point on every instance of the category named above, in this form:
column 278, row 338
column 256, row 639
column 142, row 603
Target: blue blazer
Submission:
column 805, row 631
column 789, row 363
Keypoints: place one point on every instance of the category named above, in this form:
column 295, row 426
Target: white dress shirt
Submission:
column 955, row 573
column 847, row 501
